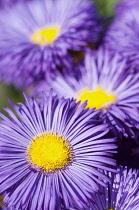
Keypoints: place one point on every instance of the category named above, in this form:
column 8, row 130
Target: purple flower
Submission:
column 8, row 208
column 125, row 6
column 6, row 3
column 121, row 193
column 123, row 36
column 107, row 86
column 36, row 38
column 51, row 155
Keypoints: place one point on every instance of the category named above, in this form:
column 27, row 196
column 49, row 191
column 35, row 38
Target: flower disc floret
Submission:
column 45, row 36
column 96, row 99
column 49, row 152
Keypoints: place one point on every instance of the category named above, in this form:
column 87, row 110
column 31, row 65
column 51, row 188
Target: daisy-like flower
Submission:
column 107, row 86
column 36, row 38
column 51, row 155
column 122, row 193
column 122, row 36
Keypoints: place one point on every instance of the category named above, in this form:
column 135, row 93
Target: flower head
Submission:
column 107, row 86
column 122, row 36
column 51, row 155
column 121, row 193
column 36, row 38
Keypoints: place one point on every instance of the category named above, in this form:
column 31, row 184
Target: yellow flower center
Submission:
column 45, row 36
column 96, row 99
column 49, row 152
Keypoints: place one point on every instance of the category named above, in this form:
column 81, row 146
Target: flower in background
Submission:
column 36, row 38
column 7, row 3
column 121, row 193
column 107, row 86
column 125, row 6
column 52, row 155
column 122, row 36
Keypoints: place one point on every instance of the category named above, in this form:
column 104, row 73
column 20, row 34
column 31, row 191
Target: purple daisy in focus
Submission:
column 52, row 155
column 122, row 36
column 36, row 38
column 122, row 193
column 107, row 86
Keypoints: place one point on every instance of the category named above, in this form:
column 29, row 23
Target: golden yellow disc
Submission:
column 49, row 152
column 96, row 99
column 45, row 36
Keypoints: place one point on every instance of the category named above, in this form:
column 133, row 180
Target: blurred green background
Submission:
column 105, row 8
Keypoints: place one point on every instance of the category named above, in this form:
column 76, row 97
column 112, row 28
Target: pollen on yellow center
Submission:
column 49, row 152
column 96, row 99
column 45, row 36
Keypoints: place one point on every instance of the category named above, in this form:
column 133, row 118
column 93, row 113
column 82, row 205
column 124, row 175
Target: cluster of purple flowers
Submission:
column 64, row 148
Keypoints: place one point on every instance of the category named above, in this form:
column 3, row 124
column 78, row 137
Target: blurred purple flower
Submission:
column 7, row 3
column 123, row 36
column 121, row 193
column 107, row 85
column 125, row 6
column 36, row 37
